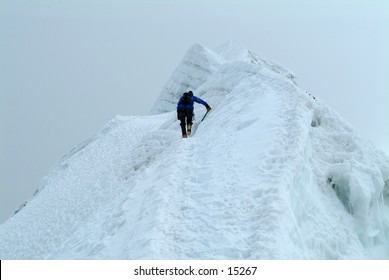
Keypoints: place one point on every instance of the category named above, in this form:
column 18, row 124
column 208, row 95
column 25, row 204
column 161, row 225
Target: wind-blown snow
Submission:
column 272, row 173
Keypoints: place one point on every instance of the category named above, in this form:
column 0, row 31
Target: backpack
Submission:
column 186, row 99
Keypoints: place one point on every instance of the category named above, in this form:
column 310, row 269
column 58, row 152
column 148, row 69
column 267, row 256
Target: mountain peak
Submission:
column 201, row 63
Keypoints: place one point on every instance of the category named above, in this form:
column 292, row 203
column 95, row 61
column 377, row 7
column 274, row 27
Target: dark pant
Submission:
column 184, row 115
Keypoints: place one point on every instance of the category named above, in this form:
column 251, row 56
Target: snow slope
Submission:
column 272, row 173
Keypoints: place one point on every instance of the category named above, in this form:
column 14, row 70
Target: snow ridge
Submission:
column 270, row 174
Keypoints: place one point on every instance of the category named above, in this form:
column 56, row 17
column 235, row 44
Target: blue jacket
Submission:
column 190, row 106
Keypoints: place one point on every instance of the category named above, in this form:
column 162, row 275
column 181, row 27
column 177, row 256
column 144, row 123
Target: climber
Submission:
column 185, row 111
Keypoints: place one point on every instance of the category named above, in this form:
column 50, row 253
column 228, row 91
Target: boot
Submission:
column 189, row 129
column 183, row 129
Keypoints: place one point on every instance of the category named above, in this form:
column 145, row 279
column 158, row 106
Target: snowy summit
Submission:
column 271, row 173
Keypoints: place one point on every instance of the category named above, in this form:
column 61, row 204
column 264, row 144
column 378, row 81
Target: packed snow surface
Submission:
column 271, row 173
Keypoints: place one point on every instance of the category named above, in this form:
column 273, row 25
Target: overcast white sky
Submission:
column 67, row 67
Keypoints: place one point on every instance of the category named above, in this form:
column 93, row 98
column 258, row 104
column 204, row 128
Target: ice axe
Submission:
column 205, row 115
